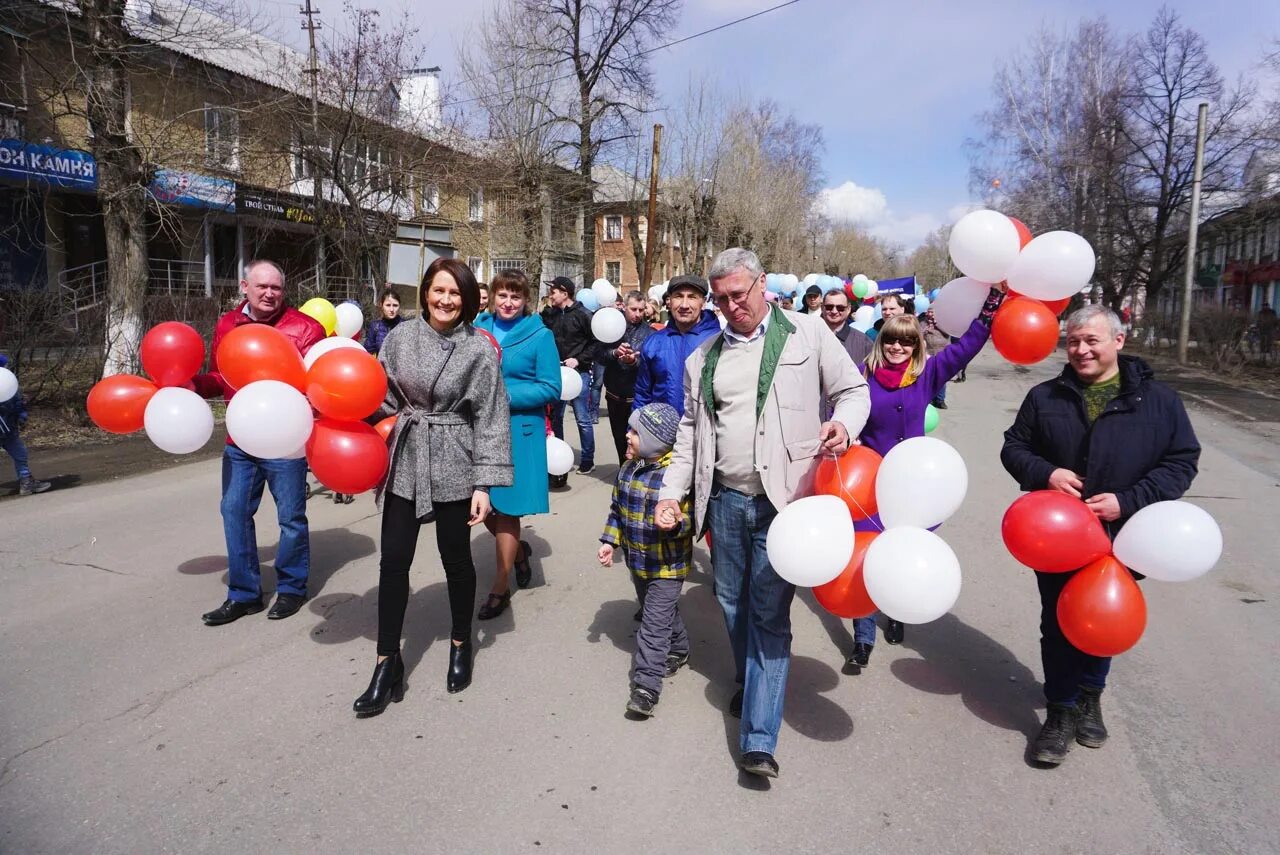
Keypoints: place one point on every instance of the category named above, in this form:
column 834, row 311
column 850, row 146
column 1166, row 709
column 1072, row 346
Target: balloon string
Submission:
column 849, row 496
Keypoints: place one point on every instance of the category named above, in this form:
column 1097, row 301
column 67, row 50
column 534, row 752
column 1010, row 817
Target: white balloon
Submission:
column 911, row 574
column 608, row 325
column 811, row 541
column 605, row 292
column 958, row 303
column 1170, row 541
column 921, row 482
column 178, row 420
column 810, row 279
column 873, row 288
column 791, row 280
column 984, row 245
column 864, row 318
column 570, row 383
column 269, row 419
column 1053, row 266
column 861, row 277
column 559, row 456
column 350, row 320
column 325, row 345
column 8, row 384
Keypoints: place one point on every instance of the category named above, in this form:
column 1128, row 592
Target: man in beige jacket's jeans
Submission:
column 749, row 442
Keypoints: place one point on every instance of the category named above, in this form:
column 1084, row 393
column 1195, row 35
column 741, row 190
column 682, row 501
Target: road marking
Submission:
column 1213, row 403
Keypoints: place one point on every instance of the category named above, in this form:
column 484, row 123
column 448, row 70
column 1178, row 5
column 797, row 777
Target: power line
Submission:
column 646, row 52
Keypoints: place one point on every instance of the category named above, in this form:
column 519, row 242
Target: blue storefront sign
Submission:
column 48, row 166
column 176, row 187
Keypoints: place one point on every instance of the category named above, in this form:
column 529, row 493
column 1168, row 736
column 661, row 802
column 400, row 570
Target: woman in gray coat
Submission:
column 449, row 446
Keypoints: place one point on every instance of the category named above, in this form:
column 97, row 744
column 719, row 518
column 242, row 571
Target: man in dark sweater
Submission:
column 621, row 364
column 1106, row 432
column 570, row 323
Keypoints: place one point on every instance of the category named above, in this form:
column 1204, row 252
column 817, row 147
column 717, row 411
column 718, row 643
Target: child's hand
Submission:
column 605, row 555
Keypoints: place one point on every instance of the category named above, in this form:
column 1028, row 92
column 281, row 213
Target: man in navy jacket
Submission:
column 663, row 354
column 1106, row 432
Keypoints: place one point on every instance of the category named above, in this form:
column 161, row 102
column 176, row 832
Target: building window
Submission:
column 476, row 208
column 477, row 266
column 221, row 137
column 430, row 199
column 613, row 272
column 510, row 264
column 613, row 228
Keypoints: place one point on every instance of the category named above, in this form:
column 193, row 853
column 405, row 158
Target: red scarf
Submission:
column 895, row 376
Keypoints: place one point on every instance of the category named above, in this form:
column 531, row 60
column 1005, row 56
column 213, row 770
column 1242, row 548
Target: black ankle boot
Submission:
column 1090, row 731
column 459, row 666
column 1055, row 737
column 387, row 686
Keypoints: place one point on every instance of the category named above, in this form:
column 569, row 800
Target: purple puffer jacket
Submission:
column 898, row 414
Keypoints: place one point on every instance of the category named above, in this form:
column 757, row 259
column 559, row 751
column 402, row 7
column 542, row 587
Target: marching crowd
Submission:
column 719, row 418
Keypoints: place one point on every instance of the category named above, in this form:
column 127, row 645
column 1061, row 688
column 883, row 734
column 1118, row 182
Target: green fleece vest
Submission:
column 775, row 340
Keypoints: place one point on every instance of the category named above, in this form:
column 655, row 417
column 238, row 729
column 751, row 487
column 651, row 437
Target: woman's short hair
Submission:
column 387, row 291
column 900, row 327
column 515, row 282
column 467, row 286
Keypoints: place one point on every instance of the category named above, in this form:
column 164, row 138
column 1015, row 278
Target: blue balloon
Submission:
column 588, row 299
column 922, row 304
column 876, row 313
column 933, row 295
column 772, row 282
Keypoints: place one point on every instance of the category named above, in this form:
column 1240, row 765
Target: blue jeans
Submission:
column 243, row 478
column 583, row 416
column 17, row 449
column 597, row 383
column 757, row 610
column 864, row 629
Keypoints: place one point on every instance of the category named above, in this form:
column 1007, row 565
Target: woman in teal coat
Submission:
column 531, row 371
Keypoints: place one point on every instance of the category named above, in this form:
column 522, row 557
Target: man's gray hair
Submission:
column 632, row 296
column 1085, row 314
column 258, row 262
column 732, row 260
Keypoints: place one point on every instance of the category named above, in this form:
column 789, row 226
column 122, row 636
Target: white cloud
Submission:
column 868, row 208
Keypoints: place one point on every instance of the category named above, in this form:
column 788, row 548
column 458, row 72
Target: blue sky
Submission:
column 894, row 84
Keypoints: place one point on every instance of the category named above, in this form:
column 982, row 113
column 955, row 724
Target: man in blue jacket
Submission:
column 663, row 354
column 13, row 417
column 1106, row 432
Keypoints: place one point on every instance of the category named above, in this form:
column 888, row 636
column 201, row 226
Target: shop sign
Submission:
column 48, row 166
column 275, row 206
column 175, row 187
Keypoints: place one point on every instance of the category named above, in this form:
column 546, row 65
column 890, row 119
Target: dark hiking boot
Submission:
column 29, row 486
column 1090, row 730
column 1055, row 737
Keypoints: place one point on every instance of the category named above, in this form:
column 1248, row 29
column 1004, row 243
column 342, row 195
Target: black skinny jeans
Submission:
column 400, row 527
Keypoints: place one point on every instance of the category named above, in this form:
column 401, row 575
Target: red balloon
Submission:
column 172, row 353
column 346, row 457
column 117, row 404
column 846, row 595
column 385, row 427
column 852, row 478
column 346, row 384
column 258, row 352
column 1024, row 233
column 493, row 341
column 1055, row 306
column 1053, row 532
column 1024, row 331
column 1101, row 609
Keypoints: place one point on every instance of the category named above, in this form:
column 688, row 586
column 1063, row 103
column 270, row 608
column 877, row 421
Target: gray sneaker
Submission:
column 29, row 486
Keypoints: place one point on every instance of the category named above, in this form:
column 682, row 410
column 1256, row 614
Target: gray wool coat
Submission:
column 452, row 432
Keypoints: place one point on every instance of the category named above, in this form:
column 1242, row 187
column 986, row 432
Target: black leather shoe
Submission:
column 229, row 611
column 642, row 702
column 524, row 572
column 759, row 763
column 735, row 704
column 1054, row 739
column 386, row 687
column 459, row 667
column 1090, row 730
column 894, row 632
column 285, row 606
column 494, row 605
column 859, row 658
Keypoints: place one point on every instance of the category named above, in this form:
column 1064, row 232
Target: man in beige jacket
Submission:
column 749, row 442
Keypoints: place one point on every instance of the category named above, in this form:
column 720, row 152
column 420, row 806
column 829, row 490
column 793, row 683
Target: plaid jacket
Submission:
column 650, row 552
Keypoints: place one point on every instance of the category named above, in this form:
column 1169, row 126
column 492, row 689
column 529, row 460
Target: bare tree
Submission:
column 696, row 151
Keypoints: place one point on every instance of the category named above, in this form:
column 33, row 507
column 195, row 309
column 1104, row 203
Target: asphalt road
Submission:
column 128, row 726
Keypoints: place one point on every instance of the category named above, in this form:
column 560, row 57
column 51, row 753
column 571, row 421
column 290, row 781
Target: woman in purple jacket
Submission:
column 902, row 382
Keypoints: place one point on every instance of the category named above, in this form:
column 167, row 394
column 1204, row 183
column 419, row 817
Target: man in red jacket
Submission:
column 244, row 476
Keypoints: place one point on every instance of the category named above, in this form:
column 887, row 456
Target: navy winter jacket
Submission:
column 1141, row 447
column 662, row 358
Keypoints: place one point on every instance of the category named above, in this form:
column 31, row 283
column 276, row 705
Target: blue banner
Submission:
column 48, row 166
column 905, row 285
column 176, row 187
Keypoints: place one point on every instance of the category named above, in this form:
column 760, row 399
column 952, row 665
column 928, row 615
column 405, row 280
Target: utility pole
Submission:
column 313, row 156
column 1189, row 281
column 653, row 211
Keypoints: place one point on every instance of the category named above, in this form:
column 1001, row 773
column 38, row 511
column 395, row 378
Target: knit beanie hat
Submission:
column 656, row 426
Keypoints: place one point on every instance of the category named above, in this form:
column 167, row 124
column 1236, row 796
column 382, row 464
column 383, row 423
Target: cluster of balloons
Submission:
column 1101, row 608
column 344, row 320
column 905, row 571
column 175, row 418
column 1042, row 274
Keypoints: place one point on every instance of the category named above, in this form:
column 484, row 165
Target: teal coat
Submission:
column 531, row 371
